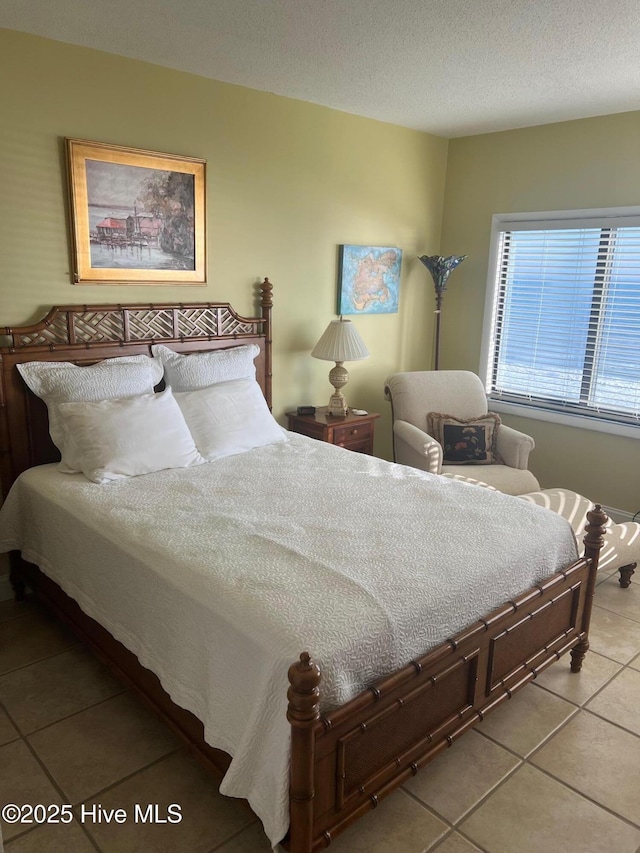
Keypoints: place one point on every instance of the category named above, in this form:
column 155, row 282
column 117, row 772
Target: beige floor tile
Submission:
column 612, row 596
column 11, row 609
column 620, row 701
column 97, row 747
column 250, row 840
column 524, row 722
column 60, row 838
column 7, row 730
column 606, row 573
column 31, row 638
column 532, row 813
column 397, row 824
column 460, row 777
column 31, row 605
column 207, row 818
column 455, row 843
column 614, row 636
column 49, row 690
column 594, row 756
column 578, row 687
column 22, row 780
column 635, row 663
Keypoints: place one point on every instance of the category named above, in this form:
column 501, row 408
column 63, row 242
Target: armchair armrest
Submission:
column 416, row 448
column 514, row 447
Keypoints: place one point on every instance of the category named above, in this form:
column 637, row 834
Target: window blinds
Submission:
column 566, row 322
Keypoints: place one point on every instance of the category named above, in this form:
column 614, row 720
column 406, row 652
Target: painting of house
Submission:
column 111, row 230
column 146, row 229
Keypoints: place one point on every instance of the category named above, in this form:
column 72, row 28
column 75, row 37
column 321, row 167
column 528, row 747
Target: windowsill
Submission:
column 566, row 419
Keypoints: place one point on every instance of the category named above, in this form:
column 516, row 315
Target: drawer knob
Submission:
column 354, row 432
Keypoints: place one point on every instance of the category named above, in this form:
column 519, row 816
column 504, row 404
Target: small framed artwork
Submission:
column 137, row 217
column 369, row 279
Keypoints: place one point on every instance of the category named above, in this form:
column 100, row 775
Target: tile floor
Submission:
column 555, row 769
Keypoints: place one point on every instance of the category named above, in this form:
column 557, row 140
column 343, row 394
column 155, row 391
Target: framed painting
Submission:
column 369, row 279
column 137, row 217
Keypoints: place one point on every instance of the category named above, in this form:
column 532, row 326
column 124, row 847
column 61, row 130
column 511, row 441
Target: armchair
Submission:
column 461, row 394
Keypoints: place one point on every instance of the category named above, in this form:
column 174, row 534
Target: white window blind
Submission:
column 565, row 328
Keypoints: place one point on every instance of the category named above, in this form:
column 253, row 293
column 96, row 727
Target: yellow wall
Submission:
column 570, row 165
column 287, row 182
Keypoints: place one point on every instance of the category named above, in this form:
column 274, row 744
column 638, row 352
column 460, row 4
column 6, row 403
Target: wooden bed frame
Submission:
column 345, row 761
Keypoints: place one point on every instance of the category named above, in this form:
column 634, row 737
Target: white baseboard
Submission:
column 619, row 516
column 6, row 592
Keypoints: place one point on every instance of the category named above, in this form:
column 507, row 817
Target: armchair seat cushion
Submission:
column 511, row 481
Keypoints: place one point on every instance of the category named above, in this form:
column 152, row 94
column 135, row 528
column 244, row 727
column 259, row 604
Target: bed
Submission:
column 359, row 725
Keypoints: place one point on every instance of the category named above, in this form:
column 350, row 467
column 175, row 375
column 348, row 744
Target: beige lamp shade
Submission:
column 340, row 342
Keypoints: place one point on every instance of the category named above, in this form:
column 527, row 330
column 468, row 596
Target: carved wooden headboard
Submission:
column 85, row 334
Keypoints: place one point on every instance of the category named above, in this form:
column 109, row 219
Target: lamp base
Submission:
column 337, row 407
column 338, row 377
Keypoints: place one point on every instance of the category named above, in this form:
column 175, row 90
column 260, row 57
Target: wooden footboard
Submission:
column 344, row 762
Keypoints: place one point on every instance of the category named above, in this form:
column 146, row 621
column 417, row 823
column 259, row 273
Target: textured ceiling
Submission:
column 450, row 67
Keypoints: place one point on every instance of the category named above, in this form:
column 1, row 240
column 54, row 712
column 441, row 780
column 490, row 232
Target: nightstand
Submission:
column 355, row 432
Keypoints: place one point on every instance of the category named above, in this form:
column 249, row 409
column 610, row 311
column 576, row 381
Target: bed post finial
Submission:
column 266, row 303
column 593, row 542
column 594, row 539
column 303, row 713
column 266, row 288
column 304, row 692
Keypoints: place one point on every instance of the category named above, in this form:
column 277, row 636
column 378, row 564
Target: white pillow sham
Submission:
column 58, row 382
column 229, row 418
column 128, row 437
column 189, row 372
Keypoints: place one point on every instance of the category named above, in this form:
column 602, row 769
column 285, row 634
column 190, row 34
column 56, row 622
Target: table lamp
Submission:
column 340, row 342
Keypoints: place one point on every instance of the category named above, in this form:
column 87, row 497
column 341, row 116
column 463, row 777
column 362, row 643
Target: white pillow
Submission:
column 229, row 418
column 126, row 438
column 201, row 369
column 58, row 382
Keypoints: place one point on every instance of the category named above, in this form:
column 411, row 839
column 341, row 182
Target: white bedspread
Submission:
column 217, row 577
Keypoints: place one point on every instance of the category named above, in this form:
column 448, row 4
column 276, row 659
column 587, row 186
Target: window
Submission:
column 562, row 329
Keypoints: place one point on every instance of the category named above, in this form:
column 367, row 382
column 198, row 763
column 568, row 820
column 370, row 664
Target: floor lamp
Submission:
column 440, row 269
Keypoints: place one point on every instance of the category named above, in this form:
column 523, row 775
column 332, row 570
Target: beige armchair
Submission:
column 461, row 394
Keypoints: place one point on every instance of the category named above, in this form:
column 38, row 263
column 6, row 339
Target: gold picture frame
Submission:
column 137, row 217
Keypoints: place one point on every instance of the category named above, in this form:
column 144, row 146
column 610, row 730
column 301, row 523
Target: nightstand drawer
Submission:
column 362, row 446
column 310, row 428
column 354, row 432
column 350, row 434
